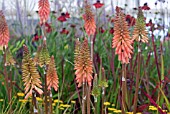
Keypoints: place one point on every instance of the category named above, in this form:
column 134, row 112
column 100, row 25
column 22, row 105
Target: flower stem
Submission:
column 34, row 102
column 123, row 89
column 45, row 91
column 83, row 100
column 137, row 79
column 88, row 98
column 51, row 107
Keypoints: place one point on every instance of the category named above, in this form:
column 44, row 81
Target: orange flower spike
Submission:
column 44, row 10
column 83, row 64
column 4, row 31
column 30, row 75
column 52, row 77
column 121, row 40
column 90, row 24
column 140, row 33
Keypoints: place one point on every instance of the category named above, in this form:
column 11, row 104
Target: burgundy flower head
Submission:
column 145, row 7
column 62, row 18
column 98, row 4
column 64, row 31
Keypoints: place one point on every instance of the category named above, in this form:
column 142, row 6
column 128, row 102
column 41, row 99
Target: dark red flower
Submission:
column 118, row 8
column 131, row 20
column 101, row 30
column 111, row 30
column 98, row 4
column 150, row 23
column 62, row 18
column 36, row 37
column 145, row 7
column 135, row 8
column 64, row 31
column 67, row 15
column 48, row 27
column 72, row 26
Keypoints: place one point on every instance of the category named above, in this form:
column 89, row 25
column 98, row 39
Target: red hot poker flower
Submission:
column 44, row 10
column 90, row 24
column 98, row 4
column 83, row 63
column 4, row 31
column 121, row 40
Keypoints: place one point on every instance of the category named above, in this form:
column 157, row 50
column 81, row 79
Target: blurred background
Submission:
column 23, row 13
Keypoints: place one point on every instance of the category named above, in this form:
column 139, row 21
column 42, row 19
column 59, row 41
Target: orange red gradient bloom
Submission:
column 83, row 63
column 121, row 40
column 52, row 77
column 90, row 24
column 4, row 31
column 44, row 10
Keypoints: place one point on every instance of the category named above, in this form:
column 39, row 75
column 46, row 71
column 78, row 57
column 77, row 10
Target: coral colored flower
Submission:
column 44, row 10
column 139, row 32
column 121, row 40
column 4, row 31
column 145, row 7
column 90, row 24
column 83, row 63
column 52, row 77
column 30, row 75
column 111, row 30
column 64, row 31
column 98, row 4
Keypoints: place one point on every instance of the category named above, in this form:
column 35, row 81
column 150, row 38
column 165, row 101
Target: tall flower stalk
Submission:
column 140, row 35
column 122, row 42
column 4, row 39
column 31, row 78
column 84, row 68
column 90, row 28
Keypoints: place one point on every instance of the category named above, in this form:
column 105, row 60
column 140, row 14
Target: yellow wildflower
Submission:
column 20, row 94
column 112, row 109
column 73, row 102
column 65, row 105
column 106, row 103
column 23, row 100
column 1, row 100
column 39, row 99
column 117, row 111
column 53, row 104
column 58, row 101
column 61, row 108
column 129, row 112
column 113, row 104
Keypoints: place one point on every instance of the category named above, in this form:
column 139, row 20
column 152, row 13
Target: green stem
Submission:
column 137, row 79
